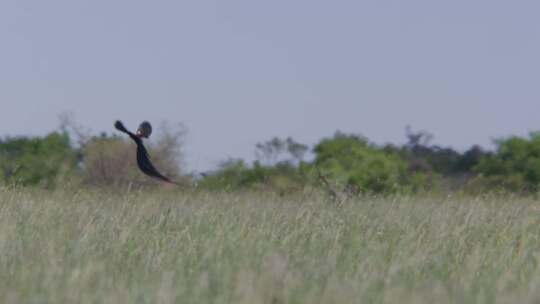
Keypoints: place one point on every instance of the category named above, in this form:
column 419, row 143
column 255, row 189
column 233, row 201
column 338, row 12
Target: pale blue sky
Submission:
column 237, row 72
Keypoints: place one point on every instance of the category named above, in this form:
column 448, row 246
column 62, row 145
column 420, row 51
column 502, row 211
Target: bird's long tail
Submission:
column 171, row 182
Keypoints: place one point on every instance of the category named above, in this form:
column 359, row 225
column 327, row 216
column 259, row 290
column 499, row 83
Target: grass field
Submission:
column 95, row 247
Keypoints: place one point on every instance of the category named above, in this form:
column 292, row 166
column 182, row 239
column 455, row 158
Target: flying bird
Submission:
column 143, row 160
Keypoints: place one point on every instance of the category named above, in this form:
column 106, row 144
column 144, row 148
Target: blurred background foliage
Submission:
column 42, row 161
column 346, row 164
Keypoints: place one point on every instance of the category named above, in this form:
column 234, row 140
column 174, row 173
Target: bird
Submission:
column 143, row 159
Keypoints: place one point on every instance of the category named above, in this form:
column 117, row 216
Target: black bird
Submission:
column 144, row 131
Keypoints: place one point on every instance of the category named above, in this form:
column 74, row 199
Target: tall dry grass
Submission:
column 96, row 247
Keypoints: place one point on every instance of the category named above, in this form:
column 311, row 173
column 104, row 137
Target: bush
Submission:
column 37, row 161
column 515, row 165
column 349, row 160
column 235, row 174
column 109, row 161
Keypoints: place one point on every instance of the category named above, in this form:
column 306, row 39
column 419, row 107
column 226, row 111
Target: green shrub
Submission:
column 350, row 160
column 36, row 161
column 235, row 174
column 515, row 165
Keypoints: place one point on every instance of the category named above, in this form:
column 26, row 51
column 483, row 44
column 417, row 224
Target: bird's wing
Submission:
column 120, row 127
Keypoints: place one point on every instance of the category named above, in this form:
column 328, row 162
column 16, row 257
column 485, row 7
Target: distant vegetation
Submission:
column 36, row 161
column 343, row 165
column 349, row 164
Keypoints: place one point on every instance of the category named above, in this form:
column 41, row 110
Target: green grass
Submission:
column 94, row 247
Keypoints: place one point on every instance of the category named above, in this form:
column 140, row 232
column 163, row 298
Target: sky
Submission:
column 238, row 72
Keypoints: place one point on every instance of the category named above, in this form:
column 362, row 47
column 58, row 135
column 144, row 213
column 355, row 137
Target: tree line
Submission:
column 343, row 164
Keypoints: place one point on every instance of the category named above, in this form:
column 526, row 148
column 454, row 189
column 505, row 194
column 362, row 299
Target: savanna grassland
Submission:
column 99, row 247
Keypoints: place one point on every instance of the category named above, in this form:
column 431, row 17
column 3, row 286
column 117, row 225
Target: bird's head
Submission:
column 144, row 130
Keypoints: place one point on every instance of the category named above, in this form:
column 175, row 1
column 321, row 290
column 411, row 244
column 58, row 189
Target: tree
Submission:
column 279, row 150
